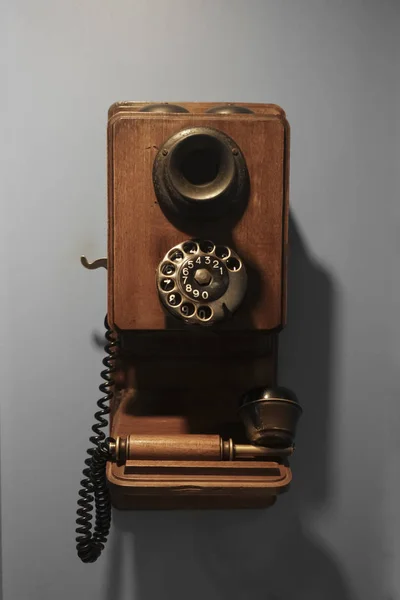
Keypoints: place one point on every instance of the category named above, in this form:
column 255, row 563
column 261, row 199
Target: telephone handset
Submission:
column 198, row 196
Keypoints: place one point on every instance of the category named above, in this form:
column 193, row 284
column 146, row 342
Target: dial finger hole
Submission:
column 206, row 246
column 174, row 299
column 187, row 309
column 168, row 269
column 204, row 313
column 175, row 255
column 190, row 247
column 222, row 251
column 233, row 264
column 167, row 284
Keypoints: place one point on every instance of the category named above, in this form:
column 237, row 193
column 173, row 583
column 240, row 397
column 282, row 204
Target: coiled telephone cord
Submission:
column 94, row 494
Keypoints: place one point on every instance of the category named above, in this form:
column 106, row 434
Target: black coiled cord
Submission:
column 90, row 543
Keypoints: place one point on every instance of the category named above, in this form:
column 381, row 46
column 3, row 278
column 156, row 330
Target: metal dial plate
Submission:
column 201, row 282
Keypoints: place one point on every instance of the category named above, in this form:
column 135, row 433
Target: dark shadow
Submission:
column 268, row 554
column 306, row 357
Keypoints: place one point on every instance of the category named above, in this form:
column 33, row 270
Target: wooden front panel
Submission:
column 140, row 234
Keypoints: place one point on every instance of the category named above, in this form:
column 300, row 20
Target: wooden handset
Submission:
column 197, row 248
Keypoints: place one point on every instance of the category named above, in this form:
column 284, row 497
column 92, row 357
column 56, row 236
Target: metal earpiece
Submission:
column 270, row 416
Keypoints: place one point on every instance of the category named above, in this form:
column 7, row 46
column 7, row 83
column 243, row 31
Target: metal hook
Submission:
column 96, row 264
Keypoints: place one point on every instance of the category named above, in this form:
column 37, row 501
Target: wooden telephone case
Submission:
column 174, row 379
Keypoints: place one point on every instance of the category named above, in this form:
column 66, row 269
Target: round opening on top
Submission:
column 201, row 166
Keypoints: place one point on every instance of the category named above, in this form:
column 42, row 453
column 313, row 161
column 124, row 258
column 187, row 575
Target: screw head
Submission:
column 202, row 276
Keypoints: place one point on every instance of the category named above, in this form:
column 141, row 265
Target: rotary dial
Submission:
column 200, row 282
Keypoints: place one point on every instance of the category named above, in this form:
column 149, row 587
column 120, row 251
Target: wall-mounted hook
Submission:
column 96, row 264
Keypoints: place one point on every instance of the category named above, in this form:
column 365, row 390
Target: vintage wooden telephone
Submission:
column 197, row 249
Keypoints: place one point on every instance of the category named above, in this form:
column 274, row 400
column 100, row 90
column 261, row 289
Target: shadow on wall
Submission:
column 268, row 554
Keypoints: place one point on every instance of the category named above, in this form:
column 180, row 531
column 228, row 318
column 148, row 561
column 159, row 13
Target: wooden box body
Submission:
column 140, row 234
column 171, row 379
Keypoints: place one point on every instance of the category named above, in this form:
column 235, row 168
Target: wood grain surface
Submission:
column 140, row 234
column 172, row 380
